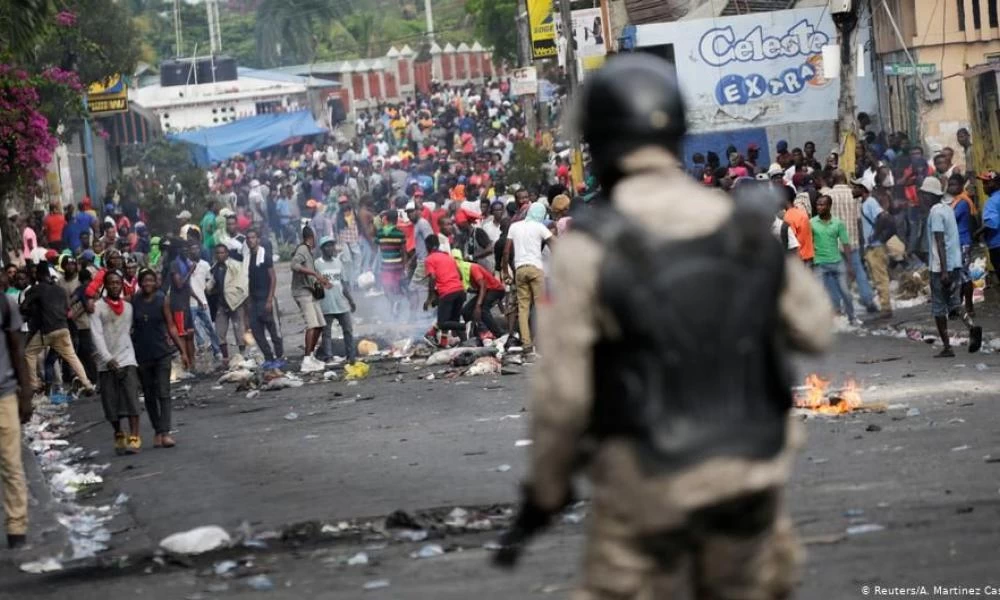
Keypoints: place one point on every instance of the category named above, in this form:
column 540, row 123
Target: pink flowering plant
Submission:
column 28, row 137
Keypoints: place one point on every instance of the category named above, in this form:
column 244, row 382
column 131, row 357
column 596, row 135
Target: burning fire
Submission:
column 816, row 395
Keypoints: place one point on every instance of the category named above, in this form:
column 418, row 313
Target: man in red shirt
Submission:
column 53, row 226
column 488, row 291
column 444, row 286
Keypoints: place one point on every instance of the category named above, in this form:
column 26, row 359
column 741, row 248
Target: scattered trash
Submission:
column 412, row 535
column 964, row 510
column 961, row 448
column 376, row 585
column 573, row 518
column 45, row 565
column 956, row 421
column 400, row 519
column 358, row 370
column 458, row 517
column 253, row 394
column 358, row 559
column 329, row 375
column 428, row 551
column 444, row 357
column 281, row 383
column 913, row 412
column 121, row 499
column 292, row 416
column 981, row 367
column 367, row 348
column 487, row 365
column 854, row 512
column 873, row 427
column 897, row 407
column 225, row 566
column 502, row 468
column 196, row 541
column 260, row 583
column 430, row 377
column 237, row 376
column 863, row 529
column 523, row 443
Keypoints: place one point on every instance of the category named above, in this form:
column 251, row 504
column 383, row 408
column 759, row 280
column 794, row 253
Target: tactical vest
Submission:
column 696, row 369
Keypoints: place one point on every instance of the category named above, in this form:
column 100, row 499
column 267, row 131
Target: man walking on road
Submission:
column 337, row 303
column 263, row 281
column 829, row 236
column 15, row 409
column 305, row 283
column 876, row 256
column 522, row 265
column 945, row 255
column 845, row 207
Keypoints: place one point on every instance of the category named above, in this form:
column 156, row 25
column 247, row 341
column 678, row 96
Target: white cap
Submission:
column 254, row 183
column 775, row 169
column 411, row 206
column 932, row 185
column 184, row 214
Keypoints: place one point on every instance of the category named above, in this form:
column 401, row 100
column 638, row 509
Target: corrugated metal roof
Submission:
column 743, row 7
column 656, row 11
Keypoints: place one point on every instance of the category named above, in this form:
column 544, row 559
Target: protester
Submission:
column 111, row 327
column 444, row 290
column 522, row 266
column 308, row 287
column 486, row 292
column 945, row 254
column 201, row 317
column 829, row 236
column 875, row 225
column 152, row 326
column 337, row 303
column 967, row 217
column 15, row 409
column 991, row 214
column 229, row 283
column 262, row 282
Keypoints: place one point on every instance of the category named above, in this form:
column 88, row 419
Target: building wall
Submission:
column 757, row 71
column 935, row 33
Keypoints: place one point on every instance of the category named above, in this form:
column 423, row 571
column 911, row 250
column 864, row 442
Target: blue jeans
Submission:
column 861, row 277
column 835, row 281
column 204, row 328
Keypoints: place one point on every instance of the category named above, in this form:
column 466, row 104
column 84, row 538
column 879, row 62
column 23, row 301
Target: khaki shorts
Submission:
column 311, row 312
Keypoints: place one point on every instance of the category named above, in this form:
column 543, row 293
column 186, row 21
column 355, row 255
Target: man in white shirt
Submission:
column 525, row 240
column 203, row 326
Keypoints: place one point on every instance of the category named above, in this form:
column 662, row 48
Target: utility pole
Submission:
column 845, row 17
column 524, row 60
column 429, row 13
column 576, row 159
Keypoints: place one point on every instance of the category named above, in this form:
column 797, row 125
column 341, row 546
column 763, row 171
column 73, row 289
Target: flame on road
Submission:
column 816, row 395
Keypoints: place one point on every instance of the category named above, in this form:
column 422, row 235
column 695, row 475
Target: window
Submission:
column 977, row 21
column 992, row 11
column 961, row 14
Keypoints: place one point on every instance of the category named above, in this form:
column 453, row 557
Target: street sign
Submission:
column 902, row 69
column 108, row 97
column 524, row 81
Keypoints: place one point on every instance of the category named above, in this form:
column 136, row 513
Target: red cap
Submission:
column 753, row 146
column 50, row 255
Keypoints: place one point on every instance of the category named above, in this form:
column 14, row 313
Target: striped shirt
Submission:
column 845, row 208
column 390, row 242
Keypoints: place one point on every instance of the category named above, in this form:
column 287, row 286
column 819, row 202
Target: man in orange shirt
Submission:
column 53, row 226
column 798, row 220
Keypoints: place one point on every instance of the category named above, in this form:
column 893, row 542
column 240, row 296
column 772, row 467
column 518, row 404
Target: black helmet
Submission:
column 631, row 102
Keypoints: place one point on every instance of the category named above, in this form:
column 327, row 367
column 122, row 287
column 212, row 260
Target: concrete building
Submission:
column 944, row 39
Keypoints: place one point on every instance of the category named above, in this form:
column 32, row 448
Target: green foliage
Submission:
column 162, row 165
column 527, row 164
column 496, row 26
column 22, row 25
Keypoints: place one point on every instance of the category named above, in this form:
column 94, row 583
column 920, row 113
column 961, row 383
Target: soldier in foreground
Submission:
column 663, row 366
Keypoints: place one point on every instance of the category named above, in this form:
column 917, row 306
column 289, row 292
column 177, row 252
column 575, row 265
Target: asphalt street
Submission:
column 356, row 452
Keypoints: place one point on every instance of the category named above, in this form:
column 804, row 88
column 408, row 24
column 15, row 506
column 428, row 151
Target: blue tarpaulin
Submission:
column 214, row 144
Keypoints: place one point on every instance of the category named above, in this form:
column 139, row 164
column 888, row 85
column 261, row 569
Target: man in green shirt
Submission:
column 832, row 244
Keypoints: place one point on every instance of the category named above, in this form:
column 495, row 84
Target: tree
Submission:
column 496, row 26
column 527, row 164
column 22, row 24
column 288, row 31
column 364, row 28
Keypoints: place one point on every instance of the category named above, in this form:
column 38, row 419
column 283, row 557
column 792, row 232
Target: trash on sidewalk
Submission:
column 367, row 348
column 281, row 383
column 360, row 558
column 197, row 541
column 913, row 412
column 428, row 551
column 502, row 468
column 961, row 448
column 260, row 583
column 486, row 365
column 225, row 566
column 866, row 528
column 44, row 565
column 458, row 517
column 237, row 376
column 356, row 371
column 523, row 443
column 449, row 356
column 981, row 367
column 292, row 416
column 376, row 584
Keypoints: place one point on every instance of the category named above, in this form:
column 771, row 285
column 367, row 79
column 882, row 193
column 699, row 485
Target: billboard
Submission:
column 524, row 82
column 588, row 33
column 542, row 25
column 108, row 97
column 754, row 70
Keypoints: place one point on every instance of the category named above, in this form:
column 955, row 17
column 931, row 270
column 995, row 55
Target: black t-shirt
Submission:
column 149, row 329
column 260, row 283
column 180, row 297
column 46, row 305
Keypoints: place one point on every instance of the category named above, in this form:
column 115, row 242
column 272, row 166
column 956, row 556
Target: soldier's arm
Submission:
column 805, row 308
column 563, row 386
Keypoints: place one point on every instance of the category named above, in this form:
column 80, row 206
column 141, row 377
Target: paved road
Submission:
column 400, row 441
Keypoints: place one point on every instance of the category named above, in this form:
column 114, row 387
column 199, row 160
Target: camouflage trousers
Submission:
column 742, row 549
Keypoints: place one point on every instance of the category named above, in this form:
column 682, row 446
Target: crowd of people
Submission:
column 895, row 211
